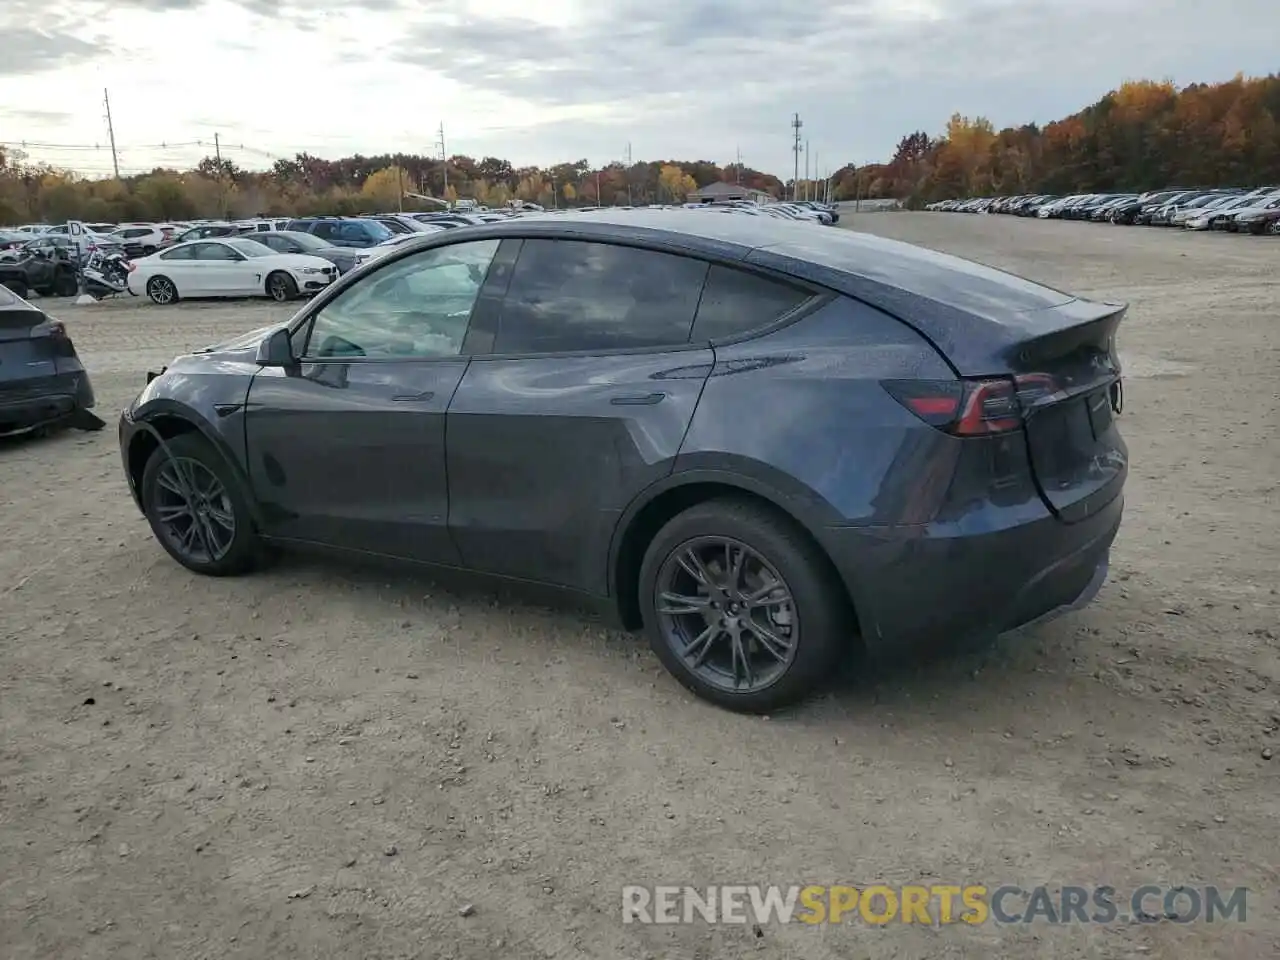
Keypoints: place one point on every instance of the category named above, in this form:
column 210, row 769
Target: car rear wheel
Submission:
column 742, row 607
column 65, row 285
column 162, row 291
column 197, row 509
column 281, row 287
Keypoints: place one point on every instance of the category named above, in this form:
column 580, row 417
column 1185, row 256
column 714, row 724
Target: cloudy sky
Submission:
column 539, row 81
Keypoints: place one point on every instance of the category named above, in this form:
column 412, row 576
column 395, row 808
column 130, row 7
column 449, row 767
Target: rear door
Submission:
column 583, row 404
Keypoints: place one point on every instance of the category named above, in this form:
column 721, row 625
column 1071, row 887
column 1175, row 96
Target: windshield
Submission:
column 250, row 248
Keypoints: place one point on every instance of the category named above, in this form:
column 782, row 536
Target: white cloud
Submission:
column 563, row 79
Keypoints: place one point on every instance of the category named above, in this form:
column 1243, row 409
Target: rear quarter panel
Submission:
column 802, row 413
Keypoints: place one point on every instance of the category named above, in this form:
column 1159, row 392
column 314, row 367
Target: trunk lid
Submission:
column 30, row 344
column 1069, row 387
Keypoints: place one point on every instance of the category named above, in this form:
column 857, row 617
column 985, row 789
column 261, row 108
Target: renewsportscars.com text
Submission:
column 932, row 905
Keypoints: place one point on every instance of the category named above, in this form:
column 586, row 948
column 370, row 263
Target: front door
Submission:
column 584, row 403
column 347, row 448
column 214, row 269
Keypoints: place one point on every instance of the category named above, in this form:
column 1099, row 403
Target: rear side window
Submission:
column 568, row 295
column 179, row 253
column 736, row 302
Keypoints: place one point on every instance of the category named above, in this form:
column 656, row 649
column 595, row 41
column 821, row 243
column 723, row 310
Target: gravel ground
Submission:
column 326, row 760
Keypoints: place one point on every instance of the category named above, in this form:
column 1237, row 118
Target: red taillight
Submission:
column 990, row 406
column 965, row 408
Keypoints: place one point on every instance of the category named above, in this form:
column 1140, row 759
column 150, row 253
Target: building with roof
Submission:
column 720, row 192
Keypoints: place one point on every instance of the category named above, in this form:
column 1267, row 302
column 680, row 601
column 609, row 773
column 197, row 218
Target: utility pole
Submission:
column 444, row 164
column 399, row 186
column 599, row 200
column 222, row 191
column 816, row 167
column 111, row 133
column 738, row 166
column 796, row 124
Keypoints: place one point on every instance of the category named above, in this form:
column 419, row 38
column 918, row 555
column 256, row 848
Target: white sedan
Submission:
column 228, row 267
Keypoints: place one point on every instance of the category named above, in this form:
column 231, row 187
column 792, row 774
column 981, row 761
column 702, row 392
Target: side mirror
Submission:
column 277, row 350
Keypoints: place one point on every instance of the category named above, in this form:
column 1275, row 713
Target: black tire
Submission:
column 281, row 287
column 162, row 290
column 65, row 284
column 819, row 616
column 242, row 552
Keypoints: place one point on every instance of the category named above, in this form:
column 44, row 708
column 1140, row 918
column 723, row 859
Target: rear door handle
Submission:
column 644, row 399
column 422, row 397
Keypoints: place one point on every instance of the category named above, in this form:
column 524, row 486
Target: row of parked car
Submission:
column 1235, row 210
column 168, row 261
column 303, row 256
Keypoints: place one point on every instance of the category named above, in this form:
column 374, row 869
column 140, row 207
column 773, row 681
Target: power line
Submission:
column 38, row 145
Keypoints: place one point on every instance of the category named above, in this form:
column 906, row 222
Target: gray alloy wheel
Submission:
column 161, row 290
column 742, row 607
column 281, row 287
column 727, row 613
column 197, row 509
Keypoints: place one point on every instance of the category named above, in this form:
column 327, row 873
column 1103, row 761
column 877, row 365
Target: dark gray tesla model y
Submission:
column 759, row 441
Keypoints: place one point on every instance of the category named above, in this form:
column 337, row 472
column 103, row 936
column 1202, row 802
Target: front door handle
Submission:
column 422, row 397
column 644, row 399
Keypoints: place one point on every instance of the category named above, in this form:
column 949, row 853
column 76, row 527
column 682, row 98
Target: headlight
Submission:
column 311, row 271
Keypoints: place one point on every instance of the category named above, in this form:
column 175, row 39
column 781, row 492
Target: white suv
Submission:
column 143, row 239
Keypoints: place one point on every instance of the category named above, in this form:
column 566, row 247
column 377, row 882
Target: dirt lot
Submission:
column 179, row 756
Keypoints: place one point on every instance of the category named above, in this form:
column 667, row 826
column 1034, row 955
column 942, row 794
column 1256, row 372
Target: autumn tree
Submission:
column 384, row 188
column 675, row 183
column 1141, row 135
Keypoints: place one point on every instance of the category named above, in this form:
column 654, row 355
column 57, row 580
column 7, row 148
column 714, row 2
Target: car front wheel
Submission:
column 281, row 287
column 742, row 607
column 196, row 507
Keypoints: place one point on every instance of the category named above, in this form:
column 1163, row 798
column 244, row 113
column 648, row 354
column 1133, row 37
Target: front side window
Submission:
column 417, row 307
column 214, row 251
column 250, row 248
column 571, row 295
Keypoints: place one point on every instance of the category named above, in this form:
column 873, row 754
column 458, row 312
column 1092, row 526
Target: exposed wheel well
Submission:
column 144, row 443
column 654, row 516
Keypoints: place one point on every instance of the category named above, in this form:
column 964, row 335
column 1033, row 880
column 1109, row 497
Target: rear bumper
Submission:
column 32, row 404
column 931, row 587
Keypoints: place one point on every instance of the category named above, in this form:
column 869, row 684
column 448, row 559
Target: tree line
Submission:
column 1143, row 135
